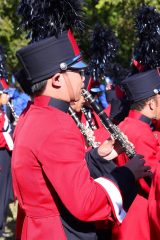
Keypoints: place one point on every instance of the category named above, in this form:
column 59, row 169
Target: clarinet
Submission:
column 112, row 128
column 12, row 110
column 89, row 119
column 83, row 129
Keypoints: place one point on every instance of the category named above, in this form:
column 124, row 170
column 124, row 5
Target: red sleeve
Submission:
column 154, row 205
column 145, row 144
column 87, row 199
column 144, row 140
column 157, row 136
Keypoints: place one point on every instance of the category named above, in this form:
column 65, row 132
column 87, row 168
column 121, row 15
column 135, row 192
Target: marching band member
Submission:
column 55, row 155
column 142, row 90
column 6, row 147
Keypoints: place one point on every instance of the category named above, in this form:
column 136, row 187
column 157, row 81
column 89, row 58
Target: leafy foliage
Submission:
column 115, row 14
column 119, row 16
column 10, row 37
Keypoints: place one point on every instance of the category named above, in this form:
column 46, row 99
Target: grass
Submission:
column 11, row 221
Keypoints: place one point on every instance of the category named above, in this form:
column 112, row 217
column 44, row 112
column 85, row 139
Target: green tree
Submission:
column 11, row 37
column 119, row 15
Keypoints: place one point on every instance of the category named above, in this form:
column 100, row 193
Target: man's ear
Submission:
column 57, row 80
column 152, row 103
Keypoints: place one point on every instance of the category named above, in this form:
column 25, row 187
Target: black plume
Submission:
column 117, row 72
column 3, row 69
column 104, row 46
column 46, row 18
column 147, row 49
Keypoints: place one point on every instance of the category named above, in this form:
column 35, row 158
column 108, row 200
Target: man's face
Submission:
column 4, row 98
column 74, row 83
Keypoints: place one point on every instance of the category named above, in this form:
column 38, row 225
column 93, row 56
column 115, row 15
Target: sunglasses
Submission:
column 80, row 71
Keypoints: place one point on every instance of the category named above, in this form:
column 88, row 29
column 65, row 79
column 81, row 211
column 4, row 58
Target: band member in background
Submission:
column 18, row 100
column 6, row 147
column 142, row 90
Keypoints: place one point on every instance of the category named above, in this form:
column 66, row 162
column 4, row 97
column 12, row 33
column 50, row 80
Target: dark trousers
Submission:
column 5, row 185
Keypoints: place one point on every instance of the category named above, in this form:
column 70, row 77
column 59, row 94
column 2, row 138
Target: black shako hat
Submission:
column 41, row 60
column 142, row 85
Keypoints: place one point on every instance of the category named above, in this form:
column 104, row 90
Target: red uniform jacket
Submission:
column 48, row 161
column 154, row 206
column 139, row 132
column 146, row 142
